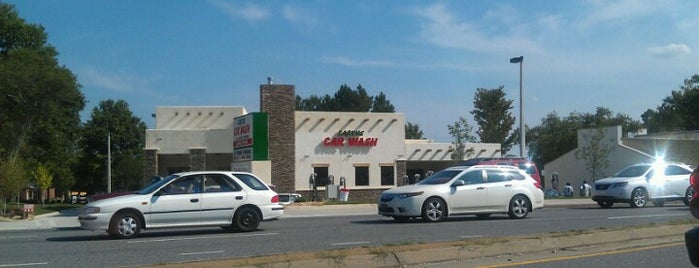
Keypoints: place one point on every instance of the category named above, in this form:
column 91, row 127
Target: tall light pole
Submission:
column 519, row 60
column 109, row 162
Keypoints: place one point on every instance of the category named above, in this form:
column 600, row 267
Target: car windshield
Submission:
column 632, row 171
column 155, row 186
column 440, row 177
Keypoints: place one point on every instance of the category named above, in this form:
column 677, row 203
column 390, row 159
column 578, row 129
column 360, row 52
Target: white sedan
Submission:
column 233, row 200
column 464, row 190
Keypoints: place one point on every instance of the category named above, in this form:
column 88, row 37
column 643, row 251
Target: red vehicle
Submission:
column 691, row 237
column 523, row 164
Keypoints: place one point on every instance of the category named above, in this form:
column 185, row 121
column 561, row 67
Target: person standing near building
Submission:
column 568, row 190
column 554, row 181
column 585, row 189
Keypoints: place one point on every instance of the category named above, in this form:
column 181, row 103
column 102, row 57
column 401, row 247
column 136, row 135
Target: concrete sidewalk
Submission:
column 69, row 218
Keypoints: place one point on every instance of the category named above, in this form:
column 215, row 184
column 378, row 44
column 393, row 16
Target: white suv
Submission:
column 640, row 183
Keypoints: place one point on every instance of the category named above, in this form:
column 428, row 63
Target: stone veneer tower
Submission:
column 279, row 102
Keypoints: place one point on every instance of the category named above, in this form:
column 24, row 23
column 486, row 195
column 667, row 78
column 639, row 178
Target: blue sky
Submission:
column 427, row 57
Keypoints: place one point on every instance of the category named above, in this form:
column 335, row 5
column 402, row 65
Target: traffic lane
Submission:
column 70, row 246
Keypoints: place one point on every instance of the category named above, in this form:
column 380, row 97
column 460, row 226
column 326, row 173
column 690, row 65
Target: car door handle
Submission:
column 194, row 200
column 480, row 188
column 238, row 198
column 508, row 185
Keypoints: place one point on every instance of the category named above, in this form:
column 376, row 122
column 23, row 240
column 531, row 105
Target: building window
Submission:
column 387, row 175
column 321, row 173
column 361, row 175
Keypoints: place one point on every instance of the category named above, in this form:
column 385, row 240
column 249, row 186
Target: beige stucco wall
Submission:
column 313, row 127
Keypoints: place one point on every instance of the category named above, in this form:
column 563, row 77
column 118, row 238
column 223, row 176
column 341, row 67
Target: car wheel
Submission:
column 433, row 210
column 688, row 195
column 401, row 218
column 659, row 202
column 246, row 219
column 519, row 207
column 605, row 204
column 125, row 225
column 639, row 198
column 694, row 211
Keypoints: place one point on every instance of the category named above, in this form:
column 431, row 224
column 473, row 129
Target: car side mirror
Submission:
column 458, row 183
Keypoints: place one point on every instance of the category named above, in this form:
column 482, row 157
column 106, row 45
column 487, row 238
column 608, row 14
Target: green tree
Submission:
column 13, row 177
column 413, row 131
column 126, row 133
column 595, row 153
column 557, row 135
column 678, row 112
column 346, row 100
column 492, row 114
column 461, row 131
column 40, row 99
column 382, row 105
column 43, row 179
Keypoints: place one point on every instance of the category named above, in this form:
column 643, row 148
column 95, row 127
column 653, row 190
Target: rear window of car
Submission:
column 252, row 182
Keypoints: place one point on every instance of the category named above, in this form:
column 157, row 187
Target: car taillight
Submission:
column 275, row 199
column 694, row 179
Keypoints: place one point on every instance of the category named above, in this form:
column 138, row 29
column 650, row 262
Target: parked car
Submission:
column 637, row 184
column 233, row 200
column 462, row 190
column 288, row 198
column 520, row 162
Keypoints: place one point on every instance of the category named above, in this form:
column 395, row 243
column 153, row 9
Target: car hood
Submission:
column 617, row 180
column 122, row 199
column 412, row 188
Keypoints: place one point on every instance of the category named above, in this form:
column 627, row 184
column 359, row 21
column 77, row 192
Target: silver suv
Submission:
column 640, row 183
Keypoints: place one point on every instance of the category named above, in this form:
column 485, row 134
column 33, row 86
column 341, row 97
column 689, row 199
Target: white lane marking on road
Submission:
column 18, row 236
column 471, row 236
column 198, row 237
column 350, row 243
column 24, row 264
column 646, row 216
column 201, row 252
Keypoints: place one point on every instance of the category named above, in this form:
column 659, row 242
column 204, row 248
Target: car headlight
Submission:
column 91, row 210
column 619, row 184
column 406, row 195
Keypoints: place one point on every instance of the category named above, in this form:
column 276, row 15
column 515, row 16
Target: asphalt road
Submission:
column 73, row 247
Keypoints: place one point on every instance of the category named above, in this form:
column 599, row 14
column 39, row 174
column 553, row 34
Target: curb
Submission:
column 457, row 252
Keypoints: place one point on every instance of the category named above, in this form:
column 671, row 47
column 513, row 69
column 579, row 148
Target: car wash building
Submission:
column 311, row 153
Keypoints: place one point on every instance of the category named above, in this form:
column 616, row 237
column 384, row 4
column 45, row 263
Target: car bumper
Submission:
column 95, row 222
column 272, row 212
column 410, row 207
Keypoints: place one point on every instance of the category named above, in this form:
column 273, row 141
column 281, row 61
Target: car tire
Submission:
column 401, row 218
column 246, row 219
column 639, row 198
column 124, row 225
column 688, row 195
column 605, row 204
column 519, row 207
column 694, row 211
column 433, row 210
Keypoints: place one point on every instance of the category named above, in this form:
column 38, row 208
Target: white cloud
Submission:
column 670, row 50
column 604, row 11
column 299, row 16
column 441, row 28
column 113, row 82
column 251, row 13
column 356, row 63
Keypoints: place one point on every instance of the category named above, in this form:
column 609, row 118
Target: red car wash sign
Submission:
column 351, row 138
column 250, row 140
